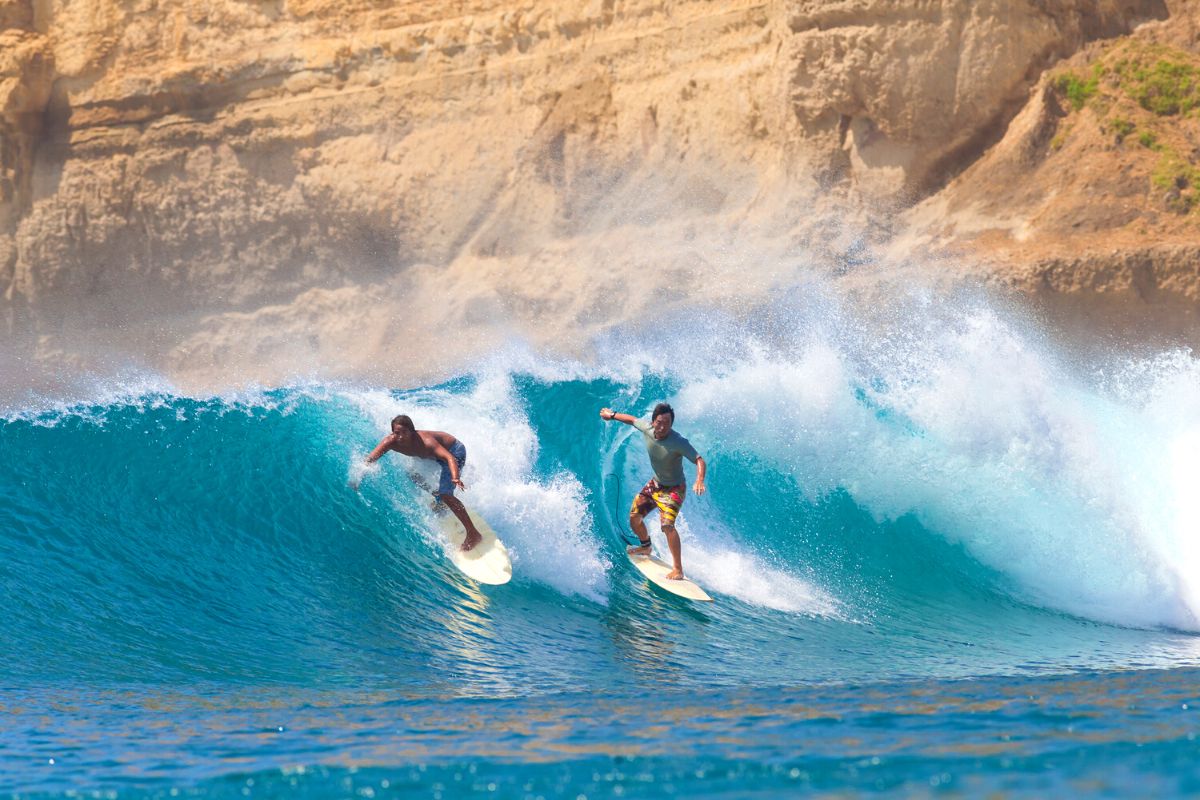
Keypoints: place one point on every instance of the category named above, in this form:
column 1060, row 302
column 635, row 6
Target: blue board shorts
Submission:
column 445, row 484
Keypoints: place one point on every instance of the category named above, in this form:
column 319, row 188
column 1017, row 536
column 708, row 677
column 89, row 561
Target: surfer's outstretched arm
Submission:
column 384, row 445
column 608, row 413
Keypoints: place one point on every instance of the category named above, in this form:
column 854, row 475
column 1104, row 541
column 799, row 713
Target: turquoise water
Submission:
column 945, row 559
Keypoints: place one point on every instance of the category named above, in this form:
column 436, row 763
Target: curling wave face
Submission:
column 936, row 546
column 929, row 492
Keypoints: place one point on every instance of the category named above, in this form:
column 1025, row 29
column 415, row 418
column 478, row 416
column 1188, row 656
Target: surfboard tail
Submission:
column 656, row 570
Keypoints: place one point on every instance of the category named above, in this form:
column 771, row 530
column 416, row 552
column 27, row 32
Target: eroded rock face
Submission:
column 1092, row 195
column 915, row 91
column 244, row 173
column 226, row 155
column 26, row 74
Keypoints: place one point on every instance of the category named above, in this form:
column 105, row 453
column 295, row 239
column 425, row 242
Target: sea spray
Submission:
column 544, row 523
column 930, row 491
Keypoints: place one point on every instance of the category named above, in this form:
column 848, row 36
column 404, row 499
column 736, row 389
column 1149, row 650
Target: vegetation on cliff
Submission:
column 1152, row 90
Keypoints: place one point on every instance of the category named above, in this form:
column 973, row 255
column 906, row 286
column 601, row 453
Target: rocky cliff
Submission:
column 1089, row 202
column 248, row 189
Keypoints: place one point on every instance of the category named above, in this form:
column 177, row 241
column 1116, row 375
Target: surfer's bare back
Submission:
column 435, row 446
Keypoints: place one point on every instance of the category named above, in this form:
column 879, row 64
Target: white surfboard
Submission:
column 486, row 562
column 656, row 570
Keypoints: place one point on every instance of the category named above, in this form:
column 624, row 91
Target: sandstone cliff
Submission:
column 258, row 188
column 1090, row 201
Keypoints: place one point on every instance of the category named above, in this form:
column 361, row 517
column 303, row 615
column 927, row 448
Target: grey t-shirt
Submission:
column 666, row 455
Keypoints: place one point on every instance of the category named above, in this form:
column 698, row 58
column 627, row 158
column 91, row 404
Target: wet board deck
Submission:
column 486, row 562
column 656, row 570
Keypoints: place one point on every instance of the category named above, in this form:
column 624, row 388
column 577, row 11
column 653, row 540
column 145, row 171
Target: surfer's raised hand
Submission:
column 608, row 414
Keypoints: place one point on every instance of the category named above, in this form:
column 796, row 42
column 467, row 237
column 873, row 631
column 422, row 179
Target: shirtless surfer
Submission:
column 667, row 489
column 436, row 446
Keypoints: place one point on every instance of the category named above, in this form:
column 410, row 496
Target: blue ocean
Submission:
column 950, row 556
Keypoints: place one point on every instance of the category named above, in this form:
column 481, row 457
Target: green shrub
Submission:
column 1148, row 139
column 1078, row 90
column 1122, row 127
column 1168, row 89
column 1179, row 180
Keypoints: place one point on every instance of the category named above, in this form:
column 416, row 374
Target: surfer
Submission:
column 436, row 446
column 667, row 489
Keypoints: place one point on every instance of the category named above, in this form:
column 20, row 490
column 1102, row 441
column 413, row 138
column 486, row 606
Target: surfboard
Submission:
column 656, row 570
column 486, row 562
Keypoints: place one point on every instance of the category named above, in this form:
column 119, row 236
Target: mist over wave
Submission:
column 930, row 471
column 1070, row 483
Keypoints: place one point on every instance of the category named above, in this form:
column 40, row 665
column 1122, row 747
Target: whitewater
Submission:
column 947, row 554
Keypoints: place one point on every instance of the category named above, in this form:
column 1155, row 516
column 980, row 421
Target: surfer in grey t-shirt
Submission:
column 667, row 489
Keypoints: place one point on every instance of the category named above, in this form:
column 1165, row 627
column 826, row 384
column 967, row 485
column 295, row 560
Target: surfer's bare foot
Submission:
column 675, row 575
column 639, row 550
column 473, row 538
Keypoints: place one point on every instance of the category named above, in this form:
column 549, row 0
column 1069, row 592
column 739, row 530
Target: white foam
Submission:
column 1084, row 498
column 712, row 555
column 544, row 523
column 721, row 564
column 1080, row 489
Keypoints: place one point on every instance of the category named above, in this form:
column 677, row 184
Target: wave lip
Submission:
column 975, row 430
column 938, row 485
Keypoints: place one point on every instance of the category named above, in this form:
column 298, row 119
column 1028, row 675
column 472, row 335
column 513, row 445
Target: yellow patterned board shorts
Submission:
column 667, row 499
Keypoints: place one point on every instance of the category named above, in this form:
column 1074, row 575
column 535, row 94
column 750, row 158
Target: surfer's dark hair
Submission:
column 403, row 421
column 663, row 408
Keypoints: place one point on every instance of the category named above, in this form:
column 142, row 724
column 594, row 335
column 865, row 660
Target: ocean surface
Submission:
column 948, row 558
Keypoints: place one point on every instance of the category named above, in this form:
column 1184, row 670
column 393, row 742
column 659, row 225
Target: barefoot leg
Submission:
column 638, row 526
column 676, row 552
column 460, row 511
